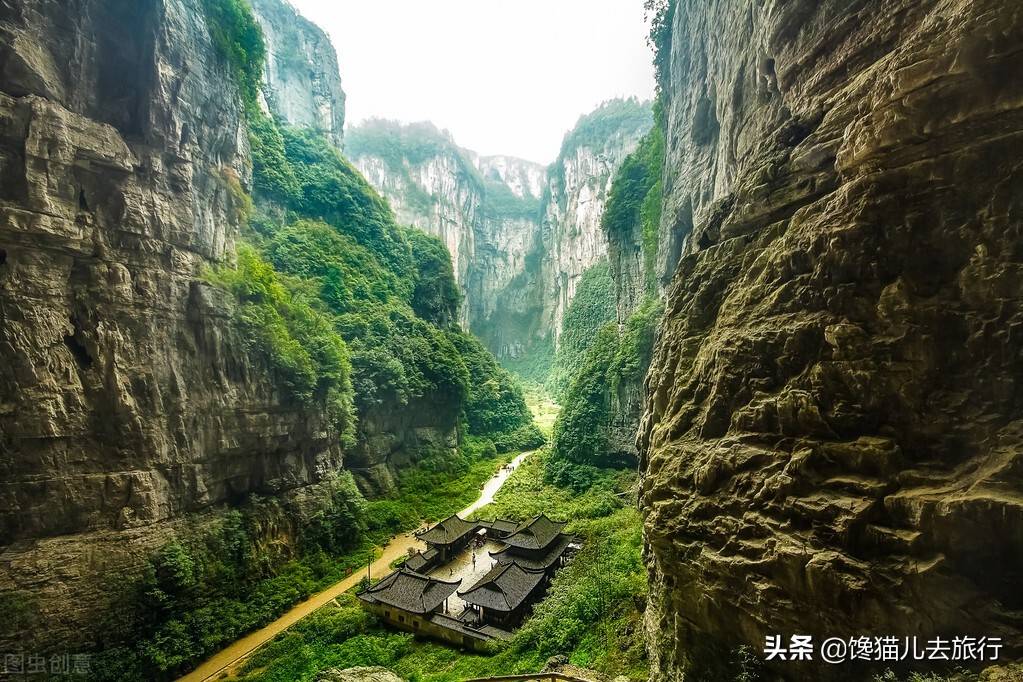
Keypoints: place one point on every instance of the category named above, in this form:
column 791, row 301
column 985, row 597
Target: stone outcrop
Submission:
column 832, row 436
column 301, row 79
column 128, row 400
column 360, row 674
column 520, row 235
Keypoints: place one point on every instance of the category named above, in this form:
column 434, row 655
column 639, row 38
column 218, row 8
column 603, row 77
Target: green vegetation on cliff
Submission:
column 580, row 442
column 633, row 209
column 397, row 143
column 592, row 307
column 661, row 14
column 278, row 318
column 402, row 146
column 390, row 291
column 597, row 363
column 616, row 117
column 495, row 406
column 239, row 40
column 435, row 296
column 349, row 307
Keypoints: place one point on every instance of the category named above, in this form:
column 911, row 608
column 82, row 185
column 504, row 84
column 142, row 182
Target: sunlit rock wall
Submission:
column 301, row 80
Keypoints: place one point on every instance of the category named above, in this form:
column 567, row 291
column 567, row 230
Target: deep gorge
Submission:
column 244, row 345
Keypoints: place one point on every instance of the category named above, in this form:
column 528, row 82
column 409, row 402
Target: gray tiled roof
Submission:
column 503, row 588
column 447, row 531
column 534, row 559
column 411, row 591
column 536, row 533
column 466, row 627
column 420, row 560
column 503, row 525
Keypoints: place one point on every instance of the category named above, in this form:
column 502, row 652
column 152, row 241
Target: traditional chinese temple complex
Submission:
column 537, row 544
column 519, row 573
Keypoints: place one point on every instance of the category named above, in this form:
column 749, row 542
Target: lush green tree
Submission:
column 333, row 190
column 351, row 277
column 436, row 297
column 272, row 174
column 592, row 307
column 278, row 319
column 495, row 406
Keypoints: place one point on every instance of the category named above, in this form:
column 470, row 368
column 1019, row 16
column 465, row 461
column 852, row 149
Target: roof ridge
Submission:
column 405, row 569
column 500, row 571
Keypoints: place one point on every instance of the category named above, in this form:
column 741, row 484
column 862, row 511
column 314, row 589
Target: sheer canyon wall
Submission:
column 832, row 437
column 131, row 409
column 520, row 234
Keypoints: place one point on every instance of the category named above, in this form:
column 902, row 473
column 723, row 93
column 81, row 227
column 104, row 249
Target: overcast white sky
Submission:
column 504, row 76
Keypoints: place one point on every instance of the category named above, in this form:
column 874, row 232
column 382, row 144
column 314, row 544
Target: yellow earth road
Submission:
column 230, row 658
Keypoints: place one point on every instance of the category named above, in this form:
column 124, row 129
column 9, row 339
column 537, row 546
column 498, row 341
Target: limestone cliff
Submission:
column 301, row 80
column 485, row 209
column 520, row 235
column 831, row 444
column 579, row 183
column 127, row 398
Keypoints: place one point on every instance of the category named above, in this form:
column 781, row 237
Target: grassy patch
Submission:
column 541, row 405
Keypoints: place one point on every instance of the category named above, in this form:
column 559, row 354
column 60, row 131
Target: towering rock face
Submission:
column 127, row 398
column 484, row 209
column 301, row 80
column 580, row 181
column 523, row 178
column 520, row 235
column 831, row 443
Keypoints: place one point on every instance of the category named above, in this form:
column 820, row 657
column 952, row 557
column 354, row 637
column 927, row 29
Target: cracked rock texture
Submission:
column 833, row 434
column 301, row 80
column 127, row 398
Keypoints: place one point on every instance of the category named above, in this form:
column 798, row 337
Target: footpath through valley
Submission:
column 229, row 658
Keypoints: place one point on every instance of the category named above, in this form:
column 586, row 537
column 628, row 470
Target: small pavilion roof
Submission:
column 414, row 592
column 448, row 531
column 537, row 533
column 420, row 560
column 503, row 588
column 535, row 560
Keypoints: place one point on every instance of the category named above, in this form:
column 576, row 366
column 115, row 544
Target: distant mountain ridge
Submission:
column 520, row 234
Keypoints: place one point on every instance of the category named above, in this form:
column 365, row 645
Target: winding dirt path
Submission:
column 230, row 658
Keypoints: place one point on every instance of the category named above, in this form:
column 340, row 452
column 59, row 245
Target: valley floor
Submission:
column 232, row 657
column 591, row 615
